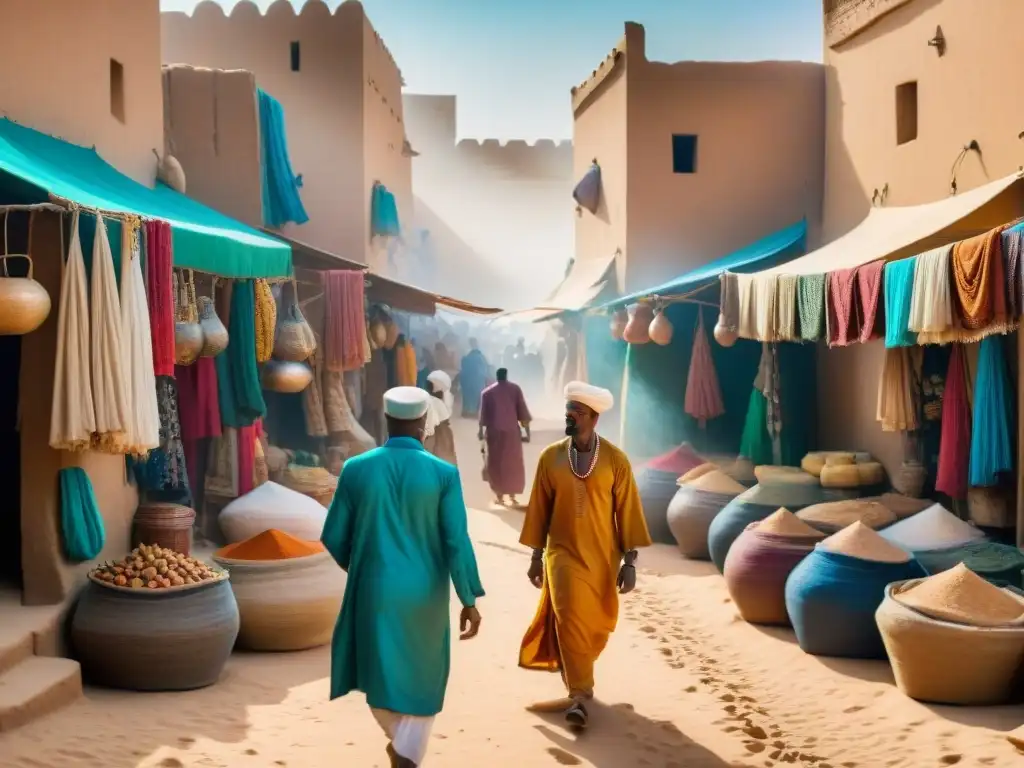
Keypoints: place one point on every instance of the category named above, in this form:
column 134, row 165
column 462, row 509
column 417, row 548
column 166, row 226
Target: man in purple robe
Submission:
column 502, row 412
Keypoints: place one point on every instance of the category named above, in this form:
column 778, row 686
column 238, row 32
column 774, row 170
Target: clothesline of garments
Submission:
column 964, row 291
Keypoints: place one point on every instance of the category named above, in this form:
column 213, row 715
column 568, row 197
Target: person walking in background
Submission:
column 584, row 524
column 472, row 379
column 438, row 437
column 398, row 527
column 503, row 412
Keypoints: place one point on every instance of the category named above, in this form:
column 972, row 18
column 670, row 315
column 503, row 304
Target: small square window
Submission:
column 296, row 56
column 117, row 89
column 906, row 112
column 684, row 153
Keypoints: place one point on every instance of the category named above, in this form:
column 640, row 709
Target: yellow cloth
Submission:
column 586, row 526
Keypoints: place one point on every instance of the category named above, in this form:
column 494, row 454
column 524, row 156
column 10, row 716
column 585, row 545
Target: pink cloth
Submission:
column 955, row 442
column 345, row 321
column 247, row 455
column 703, row 394
column 159, row 290
column 502, row 408
column 198, row 402
column 841, row 298
column 870, row 310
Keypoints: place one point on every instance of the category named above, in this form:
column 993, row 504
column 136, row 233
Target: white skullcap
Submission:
column 595, row 398
column 440, row 380
column 406, row 403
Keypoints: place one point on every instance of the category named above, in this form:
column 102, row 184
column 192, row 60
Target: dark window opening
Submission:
column 684, row 153
column 117, row 89
column 906, row 112
column 296, row 54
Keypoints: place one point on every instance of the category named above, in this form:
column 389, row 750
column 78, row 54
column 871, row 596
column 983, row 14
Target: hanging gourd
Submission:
column 637, row 330
column 294, row 339
column 188, row 333
column 724, row 335
column 618, row 323
column 660, row 329
column 215, row 335
column 24, row 303
column 286, row 376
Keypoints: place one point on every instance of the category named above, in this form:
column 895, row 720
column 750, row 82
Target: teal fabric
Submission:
column 756, row 443
column 238, row 378
column 991, row 431
column 384, row 212
column 606, row 360
column 899, row 290
column 398, row 526
column 203, row 238
column 80, row 518
column 281, row 201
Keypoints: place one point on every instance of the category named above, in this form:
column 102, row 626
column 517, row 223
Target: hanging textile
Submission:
column 929, row 392
column 345, row 339
column 841, row 302
column 160, row 294
column 896, row 409
column 198, row 404
column 405, row 363
column 811, row 306
column 238, row 379
column 281, row 201
column 786, row 312
column 729, row 302
column 955, row 442
column 165, row 470
column 143, row 424
column 931, row 305
column 703, row 400
column 979, row 284
column 899, row 293
column 265, row 312
column 756, row 443
column 870, row 309
column 1012, row 251
column 72, row 415
column 222, row 470
column 747, row 295
column 80, row 519
column 766, row 288
column 247, row 438
column 109, row 374
column 313, row 396
column 587, row 192
column 771, row 388
column 383, row 213
column 992, row 429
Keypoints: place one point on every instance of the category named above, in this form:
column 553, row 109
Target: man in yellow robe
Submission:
column 584, row 524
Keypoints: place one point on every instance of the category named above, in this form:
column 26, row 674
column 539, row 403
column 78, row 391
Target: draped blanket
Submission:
column 992, row 438
column 842, row 312
column 870, row 310
column 931, row 305
column 345, row 321
column 238, row 380
column 786, row 308
column 899, row 293
column 1012, row 238
column 955, row 441
column 811, row 306
column 979, row 282
column 159, row 295
column 896, row 408
column 109, row 372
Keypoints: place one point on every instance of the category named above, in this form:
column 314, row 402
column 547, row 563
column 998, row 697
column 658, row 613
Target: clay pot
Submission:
column 660, row 330
column 618, row 323
column 723, row 335
column 24, row 303
column 637, row 330
column 285, row 376
column 188, row 342
column 215, row 335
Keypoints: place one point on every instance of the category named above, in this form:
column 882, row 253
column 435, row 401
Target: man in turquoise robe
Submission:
column 398, row 527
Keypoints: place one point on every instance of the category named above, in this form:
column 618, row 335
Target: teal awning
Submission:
column 204, row 239
column 777, row 248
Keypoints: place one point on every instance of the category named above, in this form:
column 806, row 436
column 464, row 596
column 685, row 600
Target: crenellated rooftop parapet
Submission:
column 844, row 19
column 543, row 159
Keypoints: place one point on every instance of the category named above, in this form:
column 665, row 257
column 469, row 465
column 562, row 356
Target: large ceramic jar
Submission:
column 286, row 605
column 175, row 639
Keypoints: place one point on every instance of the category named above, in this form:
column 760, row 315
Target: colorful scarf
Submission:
column 992, row 437
column 841, row 298
column 896, row 409
column 979, row 284
column 238, row 379
column 811, row 306
column 899, row 294
column 931, row 305
column 869, row 289
column 160, row 294
column 955, row 442
column 345, row 321
column 1011, row 252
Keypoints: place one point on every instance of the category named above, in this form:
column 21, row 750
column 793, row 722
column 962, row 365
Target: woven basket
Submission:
column 286, row 605
column 945, row 663
column 910, row 479
column 165, row 525
column 315, row 482
column 990, row 507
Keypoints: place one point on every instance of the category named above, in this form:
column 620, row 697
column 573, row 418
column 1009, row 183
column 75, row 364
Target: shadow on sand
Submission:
column 618, row 736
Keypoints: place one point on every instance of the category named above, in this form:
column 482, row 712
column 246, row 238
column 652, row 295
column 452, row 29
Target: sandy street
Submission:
column 683, row 682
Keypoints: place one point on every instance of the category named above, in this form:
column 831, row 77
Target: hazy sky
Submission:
column 511, row 62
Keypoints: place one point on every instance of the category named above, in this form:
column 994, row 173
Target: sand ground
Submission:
column 683, row 682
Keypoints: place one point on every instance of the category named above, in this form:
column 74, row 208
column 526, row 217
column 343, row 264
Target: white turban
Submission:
column 441, row 380
column 406, row 403
column 595, row 398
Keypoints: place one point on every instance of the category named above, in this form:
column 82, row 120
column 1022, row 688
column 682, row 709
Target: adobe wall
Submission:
column 759, row 162
column 212, row 122
column 325, row 102
column 56, row 56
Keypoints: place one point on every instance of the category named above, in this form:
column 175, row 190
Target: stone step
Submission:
column 36, row 687
column 16, row 645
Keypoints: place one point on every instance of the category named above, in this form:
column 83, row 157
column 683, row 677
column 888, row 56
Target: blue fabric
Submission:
column 80, row 518
column 775, row 249
column 281, row 201
column 899, row 289
column 472, row 378
column 398, row 526
column 383, row 212
column 991, row 436
column 831, row 600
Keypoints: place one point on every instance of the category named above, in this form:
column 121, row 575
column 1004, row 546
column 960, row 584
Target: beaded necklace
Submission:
column 593, row 459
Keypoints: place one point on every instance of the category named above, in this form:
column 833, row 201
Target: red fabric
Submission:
column 955, row 442
column 159, row 294
column 841, row 300
column 678, row 461
column 247, row 455
column 703, row 398
column 345, row 321
column 198, row 403
column 871, row 311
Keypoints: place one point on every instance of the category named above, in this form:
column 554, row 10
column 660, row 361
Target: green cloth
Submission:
column 203, row 238
column 238, row 377
column 756, row 443
column 80, row 518
column 398, row 527
column 810, row 299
